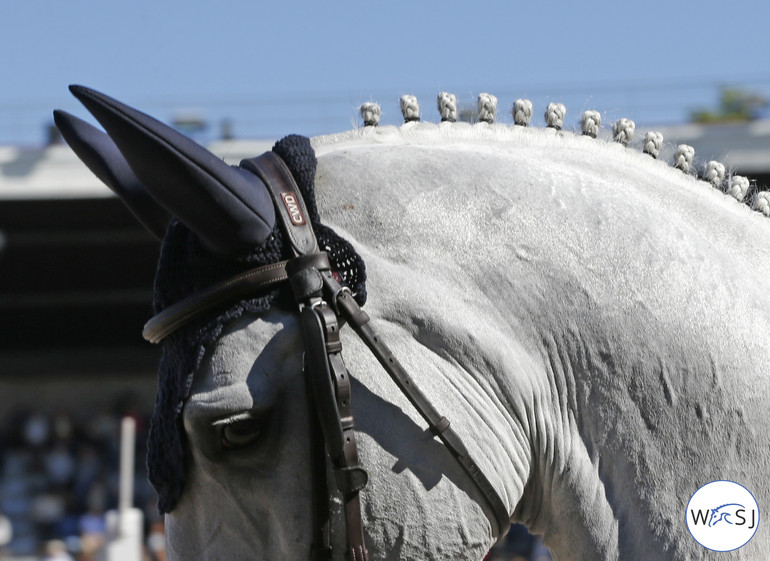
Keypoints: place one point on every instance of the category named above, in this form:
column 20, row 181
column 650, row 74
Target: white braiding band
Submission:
column 715, row 174
column 653, row 141
column 370, row 112
column 487, row 108
column 522, row 112
column 737, row 187
column 590, row 123
column 683, row 157
column 410, row 109
column 447, row 106
column 623, row 131
column 554, row 115
column 762, row 203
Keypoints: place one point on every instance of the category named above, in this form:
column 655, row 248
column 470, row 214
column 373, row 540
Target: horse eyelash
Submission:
column 245, row 416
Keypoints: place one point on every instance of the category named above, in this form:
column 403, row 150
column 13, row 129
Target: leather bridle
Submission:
column 324, row 305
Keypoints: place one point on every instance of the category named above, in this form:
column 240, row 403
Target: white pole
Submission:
column 127, row 443
column 124, row 526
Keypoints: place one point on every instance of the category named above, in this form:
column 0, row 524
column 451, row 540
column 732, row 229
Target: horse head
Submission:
column 575, row 335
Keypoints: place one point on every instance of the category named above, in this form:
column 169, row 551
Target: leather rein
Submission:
column 324, row 306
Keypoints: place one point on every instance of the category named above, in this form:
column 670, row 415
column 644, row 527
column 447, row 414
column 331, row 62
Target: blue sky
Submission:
column 304, row 67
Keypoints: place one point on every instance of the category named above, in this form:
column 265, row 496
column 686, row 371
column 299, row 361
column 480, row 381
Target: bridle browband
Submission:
column 324, row 305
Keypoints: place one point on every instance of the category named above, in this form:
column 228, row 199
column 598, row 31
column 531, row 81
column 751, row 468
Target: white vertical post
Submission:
column 124, row 526
column 127, row 443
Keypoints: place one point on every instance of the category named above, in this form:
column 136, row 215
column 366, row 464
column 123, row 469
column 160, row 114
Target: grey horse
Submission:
column 592, row 321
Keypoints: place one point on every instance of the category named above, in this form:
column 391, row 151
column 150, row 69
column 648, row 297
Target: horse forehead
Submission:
column 249, row 346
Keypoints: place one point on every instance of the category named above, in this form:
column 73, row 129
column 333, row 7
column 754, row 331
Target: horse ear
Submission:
column 229, row 208
column 103, row 158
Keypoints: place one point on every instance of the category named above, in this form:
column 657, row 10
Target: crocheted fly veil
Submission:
column 197, row 252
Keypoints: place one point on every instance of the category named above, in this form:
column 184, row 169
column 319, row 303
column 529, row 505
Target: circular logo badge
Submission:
column 722, row 516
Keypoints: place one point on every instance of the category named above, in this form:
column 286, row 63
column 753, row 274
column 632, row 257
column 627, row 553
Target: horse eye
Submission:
column 240, row 433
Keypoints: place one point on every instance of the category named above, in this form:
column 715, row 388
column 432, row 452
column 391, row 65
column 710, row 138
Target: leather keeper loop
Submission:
column 440, row 427
column 305, row 276
column 351, row 479
column 351, row 311
column 306, row 284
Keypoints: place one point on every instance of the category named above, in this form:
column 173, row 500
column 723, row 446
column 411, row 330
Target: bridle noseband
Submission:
column 324, row 305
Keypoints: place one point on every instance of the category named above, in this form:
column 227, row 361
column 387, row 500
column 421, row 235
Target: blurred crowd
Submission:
column 519, row 545
column 59, row 475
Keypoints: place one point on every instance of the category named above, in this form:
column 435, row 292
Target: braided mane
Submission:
column 615, row 143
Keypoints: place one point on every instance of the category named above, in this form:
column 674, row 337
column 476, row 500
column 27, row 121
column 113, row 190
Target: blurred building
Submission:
column 744, row 148
column 76, row 276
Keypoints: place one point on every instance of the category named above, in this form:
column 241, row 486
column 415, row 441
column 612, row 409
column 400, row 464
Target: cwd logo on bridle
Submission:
column 722, row 515
column 292, row 206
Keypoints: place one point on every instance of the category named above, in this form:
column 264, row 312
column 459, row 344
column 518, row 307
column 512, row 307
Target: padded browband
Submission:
column 246, row 285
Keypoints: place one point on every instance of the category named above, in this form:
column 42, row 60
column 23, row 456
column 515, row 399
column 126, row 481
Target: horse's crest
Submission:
column 622, row 131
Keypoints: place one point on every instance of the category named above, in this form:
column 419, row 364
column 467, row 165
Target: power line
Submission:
column 327, row 110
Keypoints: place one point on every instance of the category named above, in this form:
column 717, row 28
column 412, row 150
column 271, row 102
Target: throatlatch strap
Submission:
column 439, row 425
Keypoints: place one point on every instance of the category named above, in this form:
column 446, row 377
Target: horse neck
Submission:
column 552, row 272
column 535, row 221
column 544, row 230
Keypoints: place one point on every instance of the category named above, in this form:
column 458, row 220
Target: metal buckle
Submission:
column 319, row 302
column 335, row 296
